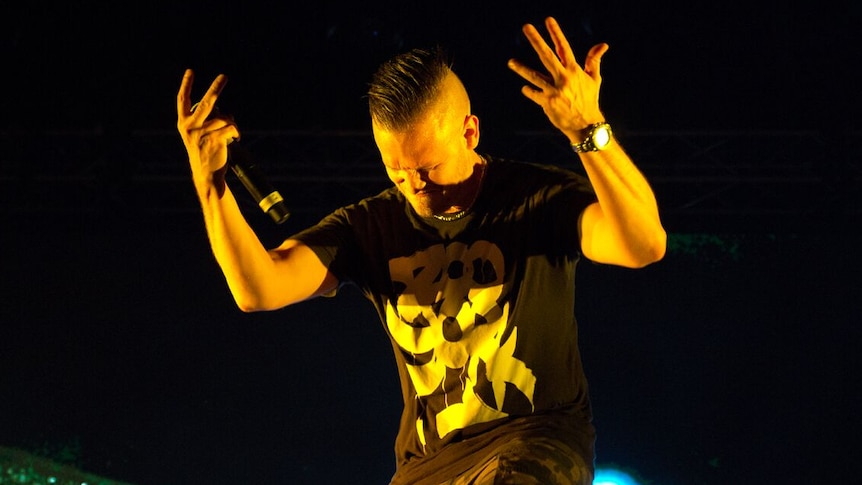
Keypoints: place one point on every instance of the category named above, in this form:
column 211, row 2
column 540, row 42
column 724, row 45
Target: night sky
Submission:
column 734, row 360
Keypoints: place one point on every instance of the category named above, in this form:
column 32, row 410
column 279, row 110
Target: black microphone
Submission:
column 269, row 200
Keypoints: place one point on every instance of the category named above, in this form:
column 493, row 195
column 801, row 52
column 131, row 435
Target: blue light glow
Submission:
column 610, row 476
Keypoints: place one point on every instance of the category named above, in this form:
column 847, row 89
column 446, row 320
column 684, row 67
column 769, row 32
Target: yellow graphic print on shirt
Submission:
column 448, row 321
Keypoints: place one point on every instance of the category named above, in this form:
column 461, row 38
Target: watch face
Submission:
column 602, row 137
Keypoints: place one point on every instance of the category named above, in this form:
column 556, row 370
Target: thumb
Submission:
column 592, row 64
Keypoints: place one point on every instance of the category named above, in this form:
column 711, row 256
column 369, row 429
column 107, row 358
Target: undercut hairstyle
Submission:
column 404, row 86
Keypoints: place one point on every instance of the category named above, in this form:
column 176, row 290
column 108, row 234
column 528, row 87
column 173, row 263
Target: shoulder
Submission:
column 377, row 214
column 534, row 176
column 345, row 228
column 388, row 200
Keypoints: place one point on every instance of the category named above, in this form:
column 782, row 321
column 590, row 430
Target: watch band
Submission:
column 589, row 145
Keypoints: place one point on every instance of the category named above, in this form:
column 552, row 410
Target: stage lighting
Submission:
column 613, row 476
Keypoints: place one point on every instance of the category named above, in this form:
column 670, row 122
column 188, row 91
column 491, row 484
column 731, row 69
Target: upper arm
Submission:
column 298, row 274
column 634, row 241
column 599, row 243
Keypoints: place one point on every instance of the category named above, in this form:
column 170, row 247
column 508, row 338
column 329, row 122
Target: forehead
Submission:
column 420, row 146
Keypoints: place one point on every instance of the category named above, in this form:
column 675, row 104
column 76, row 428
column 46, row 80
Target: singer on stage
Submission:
column 469, row 260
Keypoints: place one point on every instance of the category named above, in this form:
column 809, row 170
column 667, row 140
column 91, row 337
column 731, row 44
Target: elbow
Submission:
column 653, row 249
column 246, row 308
column 250, row 302
column 654, row 255
column 247, row 305
column 254, row 307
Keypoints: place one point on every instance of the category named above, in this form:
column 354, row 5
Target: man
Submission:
column 469, row 261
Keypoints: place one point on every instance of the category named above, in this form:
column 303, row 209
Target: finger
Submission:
column 533, row 95
column 564, row 50
column 546, row 55
column 592, row 64
column 221, row 124
column 530, row 75
column 219, row 137
column 204, row 107
column 184, row 105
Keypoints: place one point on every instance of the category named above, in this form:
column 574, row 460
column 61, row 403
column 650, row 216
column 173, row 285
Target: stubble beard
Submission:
column 428, row 205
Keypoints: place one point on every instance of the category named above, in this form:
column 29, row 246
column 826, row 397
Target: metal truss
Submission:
column 702, row 179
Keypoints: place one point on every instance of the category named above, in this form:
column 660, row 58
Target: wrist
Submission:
column 595, row 137
column 207, row 183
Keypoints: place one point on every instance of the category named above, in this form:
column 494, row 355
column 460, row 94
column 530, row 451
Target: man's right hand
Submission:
column 205, row 134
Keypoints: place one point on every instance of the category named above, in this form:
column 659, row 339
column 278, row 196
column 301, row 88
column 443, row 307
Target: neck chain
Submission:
column 450, row 217
column 460, row 214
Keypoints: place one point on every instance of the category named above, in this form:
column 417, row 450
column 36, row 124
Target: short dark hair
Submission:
column 405, row 85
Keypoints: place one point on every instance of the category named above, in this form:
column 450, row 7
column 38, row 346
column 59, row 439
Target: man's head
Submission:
column 426, row 134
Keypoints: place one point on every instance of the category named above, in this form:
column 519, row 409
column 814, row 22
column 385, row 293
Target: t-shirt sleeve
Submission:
column 575, row 193
column 334, row 242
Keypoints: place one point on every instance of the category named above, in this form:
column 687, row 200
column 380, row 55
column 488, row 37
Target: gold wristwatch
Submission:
column 598, row 138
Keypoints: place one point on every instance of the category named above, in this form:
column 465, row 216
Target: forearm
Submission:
column 619, row 184
column 253, row 274
column 245, row 262
column 623, row 227
column 629, row 212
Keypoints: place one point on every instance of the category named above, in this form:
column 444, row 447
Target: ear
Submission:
column 471, row 131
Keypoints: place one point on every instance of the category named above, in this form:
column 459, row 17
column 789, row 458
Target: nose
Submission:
column 414, row 178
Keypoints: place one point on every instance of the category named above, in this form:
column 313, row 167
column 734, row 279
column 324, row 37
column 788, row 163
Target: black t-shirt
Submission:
column 479, row 311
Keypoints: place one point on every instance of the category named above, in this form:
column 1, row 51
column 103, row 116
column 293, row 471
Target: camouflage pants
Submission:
column 538, row 461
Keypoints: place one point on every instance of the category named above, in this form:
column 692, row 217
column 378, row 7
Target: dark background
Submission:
column 734, row 360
